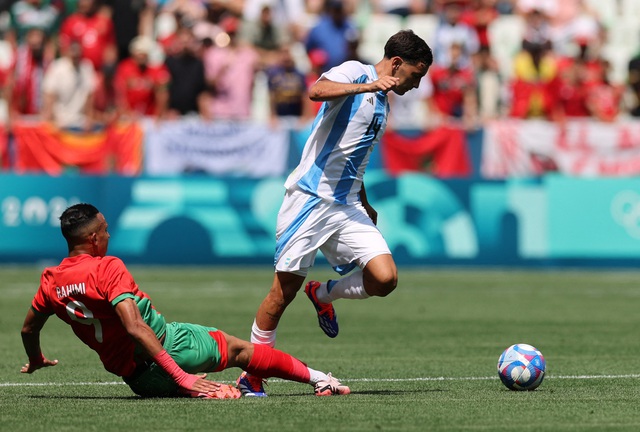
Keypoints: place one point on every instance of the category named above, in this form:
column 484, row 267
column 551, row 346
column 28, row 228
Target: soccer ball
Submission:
column 521, row 367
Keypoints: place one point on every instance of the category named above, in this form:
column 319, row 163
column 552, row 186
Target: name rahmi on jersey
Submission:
column 67, row 290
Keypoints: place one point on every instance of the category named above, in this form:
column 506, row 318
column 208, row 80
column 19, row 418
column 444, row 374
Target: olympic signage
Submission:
column 552, row 220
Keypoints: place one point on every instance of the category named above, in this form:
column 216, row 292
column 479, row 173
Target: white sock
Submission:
column 262, row 337
column 316, row 376
column 349, row 287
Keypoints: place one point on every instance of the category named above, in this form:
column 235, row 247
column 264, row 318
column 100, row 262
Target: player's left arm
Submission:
column 33, row 324
column 326, row 90
column 373, row 214
column 140, row 331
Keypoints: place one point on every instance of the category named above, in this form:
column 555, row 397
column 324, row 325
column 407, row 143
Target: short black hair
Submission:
column 75, row 218
column 409, row 47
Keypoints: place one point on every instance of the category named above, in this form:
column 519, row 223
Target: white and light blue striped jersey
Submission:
column 343, row 134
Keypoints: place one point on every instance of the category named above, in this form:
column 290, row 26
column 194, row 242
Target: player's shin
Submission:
column 267, row 362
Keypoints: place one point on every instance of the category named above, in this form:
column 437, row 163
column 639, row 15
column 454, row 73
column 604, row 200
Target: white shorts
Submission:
column 344, row 233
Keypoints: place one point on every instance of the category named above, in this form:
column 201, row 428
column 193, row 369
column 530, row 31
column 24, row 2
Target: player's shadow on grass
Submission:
column 86, row 397
column 395, row 392
column 371, row 392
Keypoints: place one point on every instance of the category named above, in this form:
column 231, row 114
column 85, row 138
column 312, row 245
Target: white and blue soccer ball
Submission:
column 521, row 367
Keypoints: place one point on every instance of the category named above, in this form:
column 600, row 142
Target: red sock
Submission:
column 268, row 362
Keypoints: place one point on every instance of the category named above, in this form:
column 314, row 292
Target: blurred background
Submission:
column 180, row 119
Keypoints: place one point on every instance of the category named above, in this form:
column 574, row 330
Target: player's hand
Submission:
column 32, row 367
column 202, row 385
column 385, row 83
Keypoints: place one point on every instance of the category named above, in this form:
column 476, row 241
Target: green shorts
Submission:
column 195, row 349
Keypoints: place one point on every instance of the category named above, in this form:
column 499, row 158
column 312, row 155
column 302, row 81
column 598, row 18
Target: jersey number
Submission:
column 79, row 313
column 374, row 126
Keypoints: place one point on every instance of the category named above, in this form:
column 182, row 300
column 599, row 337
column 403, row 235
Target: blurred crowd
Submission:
column 82, row 64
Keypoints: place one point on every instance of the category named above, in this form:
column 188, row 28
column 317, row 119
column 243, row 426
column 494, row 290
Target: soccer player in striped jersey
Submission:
column 325, row 205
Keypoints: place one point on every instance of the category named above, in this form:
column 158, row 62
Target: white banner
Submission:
column 524, row 148
column 242, row 149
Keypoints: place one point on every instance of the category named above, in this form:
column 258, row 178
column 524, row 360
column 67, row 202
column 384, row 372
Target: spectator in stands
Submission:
column 536, row 17
column 634, row 83
column 572, row 95
column 95, row 31
column 573, row 21
column 454, row 90
column 25, row 84
column 92, row 26
column 331, row 34
column 230, row 68
column 604, row 98
column 535, row 85
column 133, row 18
column 288, row 16
column 288, row 96
column 489, row 84
column 584, row 87
column 141, row 88
column 26, row 15
column 187, row 86
column 451, row 29
column 479, row 16
column 266, row 36
column 69, row 86
column 353, row 43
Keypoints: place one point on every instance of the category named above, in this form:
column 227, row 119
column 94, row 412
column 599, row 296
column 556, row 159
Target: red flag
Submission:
column 41, row 147
column 442, row 151
column 126, row 144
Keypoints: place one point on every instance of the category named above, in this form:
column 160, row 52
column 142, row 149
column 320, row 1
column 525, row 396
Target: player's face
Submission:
column 409, row 76
column 101, row 236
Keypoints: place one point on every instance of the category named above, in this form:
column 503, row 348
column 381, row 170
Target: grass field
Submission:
column 423, row 358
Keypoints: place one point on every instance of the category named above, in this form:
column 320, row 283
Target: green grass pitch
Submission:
column 424, row 358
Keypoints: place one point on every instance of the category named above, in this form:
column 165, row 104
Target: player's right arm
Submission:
column 129, row 315
column 326, row 90
column 33, row 324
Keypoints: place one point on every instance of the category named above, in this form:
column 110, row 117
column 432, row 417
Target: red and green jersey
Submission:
column 83, row 291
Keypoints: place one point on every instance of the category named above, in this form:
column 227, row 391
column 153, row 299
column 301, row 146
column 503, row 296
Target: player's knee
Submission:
column 239, row 352
column 384, row 284
column 388, row 284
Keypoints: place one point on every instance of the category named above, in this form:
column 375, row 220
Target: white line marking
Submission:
column 487, row 378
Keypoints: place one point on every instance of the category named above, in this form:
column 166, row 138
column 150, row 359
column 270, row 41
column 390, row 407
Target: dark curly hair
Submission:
column 409, row 47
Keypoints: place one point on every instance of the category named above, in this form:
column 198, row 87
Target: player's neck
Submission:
column 384, row 67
